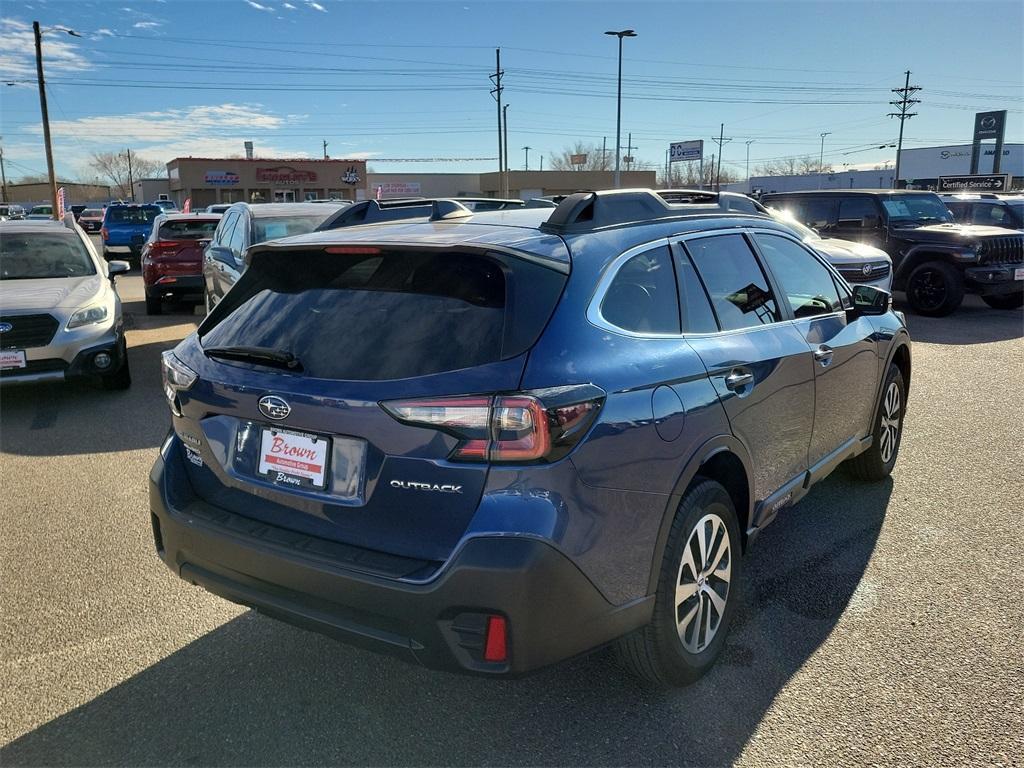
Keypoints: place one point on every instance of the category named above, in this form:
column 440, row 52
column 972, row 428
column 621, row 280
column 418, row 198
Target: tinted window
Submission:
column 187, row 229
column 992, row 215
column 642, row 297
column 25, row 255
column 236, row 240
column 271, row 228
column 697, row 315
column 738, row 289
column 853, row 211
column 817, row 212
column 960, row 211
column 124, row 215
column 399, row 314
column 806, row 284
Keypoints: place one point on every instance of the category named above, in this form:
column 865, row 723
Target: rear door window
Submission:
column 387, row 314
column 854, row 211
column 642, row 297
column 736, row 284
column 815, row 212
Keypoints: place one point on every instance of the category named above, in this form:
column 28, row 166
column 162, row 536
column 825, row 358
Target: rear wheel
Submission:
column 1010, row 301
column 696, row 594
column 154, row 305
column 877, row 462
column 935, row 288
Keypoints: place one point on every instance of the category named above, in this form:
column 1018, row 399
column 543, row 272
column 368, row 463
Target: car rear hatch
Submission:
column 179, row 246
column 305, row 443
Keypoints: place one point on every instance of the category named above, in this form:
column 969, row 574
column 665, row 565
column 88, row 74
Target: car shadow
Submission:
column 77, row 417
column 973, row 323
column 257, row 692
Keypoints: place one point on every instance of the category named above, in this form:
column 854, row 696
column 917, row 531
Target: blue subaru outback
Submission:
column 489, row 442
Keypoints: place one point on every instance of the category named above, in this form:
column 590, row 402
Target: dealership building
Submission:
column 208, row 180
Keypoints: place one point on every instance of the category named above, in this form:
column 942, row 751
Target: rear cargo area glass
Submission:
column 387, row 314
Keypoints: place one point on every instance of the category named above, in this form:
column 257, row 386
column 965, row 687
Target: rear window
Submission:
column 188, row 229
column 133, row 215
column 388, row 314
column 272, row 228
column 92, row 212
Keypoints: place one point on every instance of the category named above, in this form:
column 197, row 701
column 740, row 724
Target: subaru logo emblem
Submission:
column 867, row 269
column 5, row 327
column 274, row 407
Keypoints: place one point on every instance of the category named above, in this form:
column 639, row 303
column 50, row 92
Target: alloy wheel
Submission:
column 889, row 428
column 929, row 289
column 702, row 584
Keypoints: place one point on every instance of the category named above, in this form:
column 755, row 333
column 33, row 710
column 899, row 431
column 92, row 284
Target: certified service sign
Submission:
column 993, row 182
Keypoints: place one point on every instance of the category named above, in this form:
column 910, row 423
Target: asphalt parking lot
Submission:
column 880, row 624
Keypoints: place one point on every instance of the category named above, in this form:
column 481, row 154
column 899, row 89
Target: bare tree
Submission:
column 792, row 166
column 112, row 168
column 596, row 161
column 688, row 175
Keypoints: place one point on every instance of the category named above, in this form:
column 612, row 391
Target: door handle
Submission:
column 738, row 380
column 823, row 354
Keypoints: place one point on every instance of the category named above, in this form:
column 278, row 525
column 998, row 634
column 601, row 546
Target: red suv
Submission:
column 172, row 258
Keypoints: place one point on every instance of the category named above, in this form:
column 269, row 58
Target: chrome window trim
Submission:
column 595, row 318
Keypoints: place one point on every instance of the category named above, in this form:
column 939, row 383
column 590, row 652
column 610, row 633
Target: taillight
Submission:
column 177, row 377
column 517, row 428
column 162, row 247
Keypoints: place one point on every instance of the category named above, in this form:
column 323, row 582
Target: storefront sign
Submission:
column 284, row 174
column 351, row 175
column 399, row 189
column 679, row 151
column 997, row 182
column 220, row 178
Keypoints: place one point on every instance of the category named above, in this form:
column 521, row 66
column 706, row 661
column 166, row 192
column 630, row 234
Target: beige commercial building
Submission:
column 39, row 193
column 522, row 184
column 264, row 180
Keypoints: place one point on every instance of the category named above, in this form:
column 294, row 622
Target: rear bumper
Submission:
column 993, row 280
column 552, row 610
column 163, row 285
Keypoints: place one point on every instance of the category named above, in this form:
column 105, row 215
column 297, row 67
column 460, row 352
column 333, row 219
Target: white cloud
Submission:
column 17, row 51
column 104, row 32
column 289, row 6
column 147, row 24
column 257, row 6
column 316, row 6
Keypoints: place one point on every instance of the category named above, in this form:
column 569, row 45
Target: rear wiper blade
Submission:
column 279, row 358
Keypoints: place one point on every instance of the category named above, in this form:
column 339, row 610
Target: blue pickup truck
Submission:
column 125, row 229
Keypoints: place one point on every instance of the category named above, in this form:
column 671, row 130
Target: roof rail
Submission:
column 586, row 211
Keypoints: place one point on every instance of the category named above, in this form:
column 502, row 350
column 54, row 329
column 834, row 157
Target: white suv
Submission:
column 60, row 315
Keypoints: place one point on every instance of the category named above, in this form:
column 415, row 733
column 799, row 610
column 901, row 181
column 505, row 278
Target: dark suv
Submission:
column 488, row 442
column 934, row 260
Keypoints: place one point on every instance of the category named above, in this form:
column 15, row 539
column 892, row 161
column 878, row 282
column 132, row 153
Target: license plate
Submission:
column 1018, row 274
column 294, row 458
column 12, row 358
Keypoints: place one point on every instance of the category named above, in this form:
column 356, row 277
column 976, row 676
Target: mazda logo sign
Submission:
column 274, row 407
column 988, row 123
column 5, row 327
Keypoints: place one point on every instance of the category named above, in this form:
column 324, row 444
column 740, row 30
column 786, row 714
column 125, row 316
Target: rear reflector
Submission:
column 496, row 643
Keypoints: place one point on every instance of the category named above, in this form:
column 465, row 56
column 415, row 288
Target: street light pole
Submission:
column 821, row 156
column 527, row 167
column 748, row 143
column 618, row 107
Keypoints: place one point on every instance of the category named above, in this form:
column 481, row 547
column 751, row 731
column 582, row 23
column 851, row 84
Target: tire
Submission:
column 122, row 377
column 661, row 653
column 154, row 305
column 935, row 289
column 1009, row 301
column 877, row 462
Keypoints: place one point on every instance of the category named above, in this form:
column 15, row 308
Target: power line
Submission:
column 903, row 104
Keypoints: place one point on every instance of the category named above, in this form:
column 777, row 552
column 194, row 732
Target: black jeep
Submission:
column 934, row 259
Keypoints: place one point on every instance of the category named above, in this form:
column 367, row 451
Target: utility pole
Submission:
column 496, row 93
column 904, row 103
column 748, row 143
column 604, row 154
column 131, row 183
column 504, row 112
column 325, row 149
column 720, row 141
column 821, row 155
column 3, row 174
column 542, row 162
column 527, row 157
column 45, row 114
column 618, row 108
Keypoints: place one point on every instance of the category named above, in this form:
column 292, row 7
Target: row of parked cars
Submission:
column 490, row 440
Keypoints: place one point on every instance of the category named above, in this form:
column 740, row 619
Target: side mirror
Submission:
column 222, row 254
column 115, row 268
column 868, row 300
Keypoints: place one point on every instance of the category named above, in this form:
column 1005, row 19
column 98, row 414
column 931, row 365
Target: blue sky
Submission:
column 386, row 80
